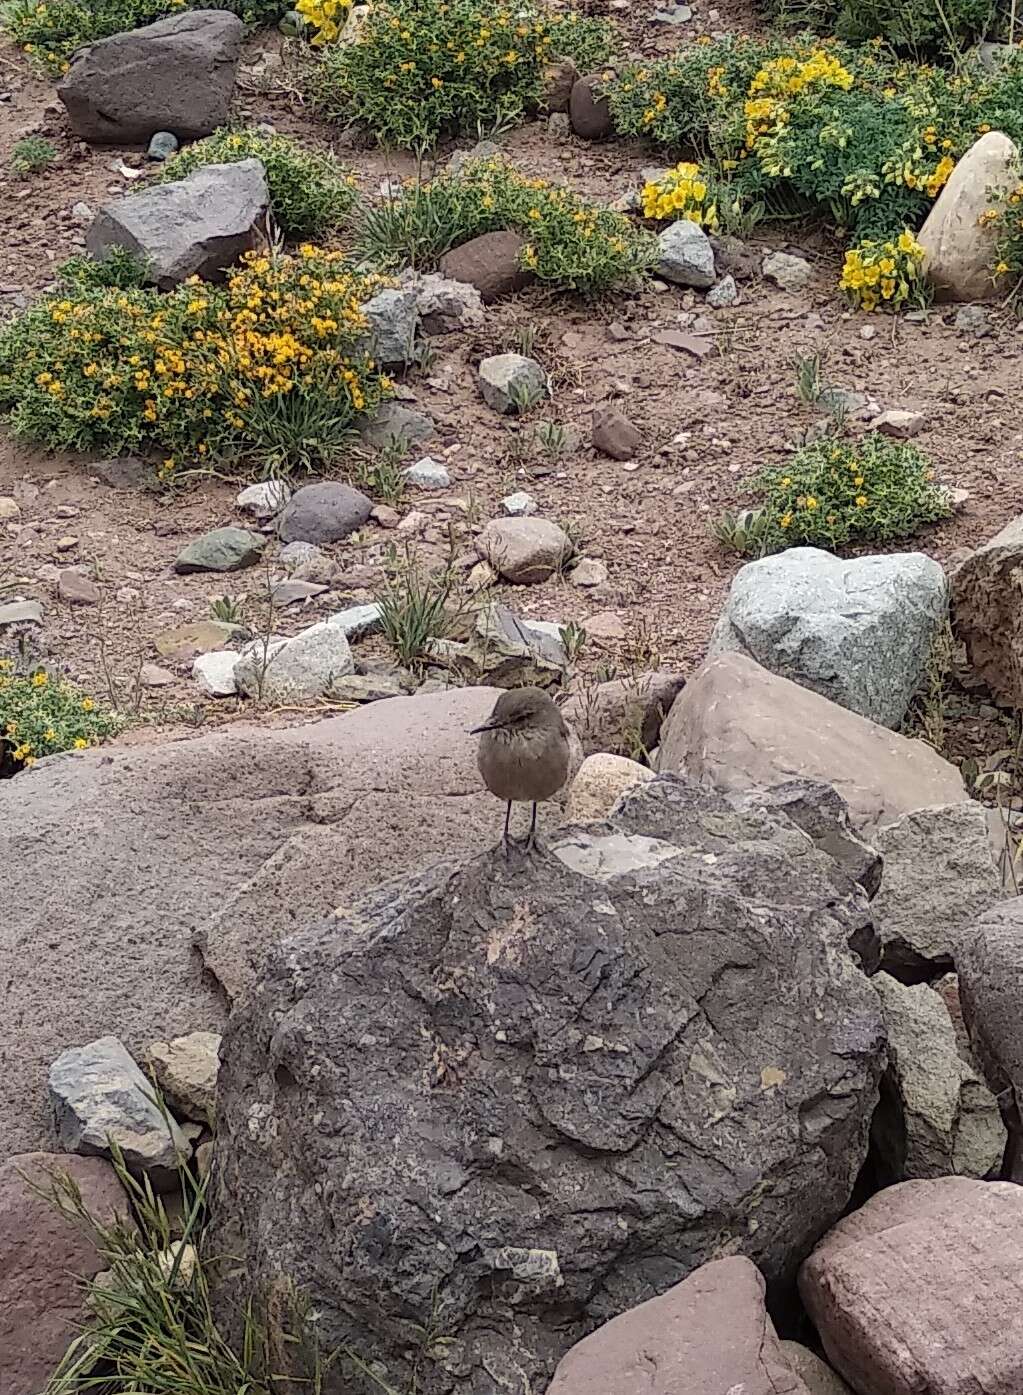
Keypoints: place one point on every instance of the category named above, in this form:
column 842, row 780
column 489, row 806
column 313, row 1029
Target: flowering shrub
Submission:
column 310, row 194
column 1007, row 217
column 267, row 368
column 833, row 493
column 572, row 243
column 49, row 31
column 414, row 72
column 884, row 274
column 40, row 715
column 681, row 193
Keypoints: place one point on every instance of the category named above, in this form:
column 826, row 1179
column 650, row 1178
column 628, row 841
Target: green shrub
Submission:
column 311, row 195
column 266, row 369
column 416, row 72
column 835, row 493
column 49, row 31
column 32, row 155
column 571, row 243
column 41, row 715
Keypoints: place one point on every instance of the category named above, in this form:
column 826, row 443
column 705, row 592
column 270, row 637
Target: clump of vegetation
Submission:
column 835, row 493
column 885, row 274
column 311, row 194
column 49, row 31
column 41, row 715
column 920, row 28
column 1007, row 217
column 414, row 73
column 32, row 155
column 416, row 606
column 269, row 369
column 682, row 192
column 571, row 243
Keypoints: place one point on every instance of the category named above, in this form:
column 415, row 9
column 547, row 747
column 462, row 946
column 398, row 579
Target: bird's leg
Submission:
column 507, row 835
column 531, row 839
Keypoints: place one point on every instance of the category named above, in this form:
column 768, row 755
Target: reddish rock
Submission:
column 492, row 263
column 77, row 589
column 590, row 113
column 559, row 78
column 43, row 1256
column 921, row 1291
column 987, row 612
column 614, row 434
column 709, row 1335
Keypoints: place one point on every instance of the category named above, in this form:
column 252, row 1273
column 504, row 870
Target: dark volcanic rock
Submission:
column 512, row 1099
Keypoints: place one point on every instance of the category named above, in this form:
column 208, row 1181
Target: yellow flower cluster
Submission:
column 327, row 17
column 782, row 79
column 882, row 274
column 682, row 192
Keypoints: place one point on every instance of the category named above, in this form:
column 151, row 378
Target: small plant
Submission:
column 41, row 715
column 32, row 155
column 746, row 532
column 551, row 437
column 1007, row 218
column 809, row 379
column 230, row 610
column 681, row 193
column 573, row 640
column 119, row 270
column 415, row 608
column 526, row 395
column 381, row 474
column 311, row 194
column 884, row 275
column 833, row 493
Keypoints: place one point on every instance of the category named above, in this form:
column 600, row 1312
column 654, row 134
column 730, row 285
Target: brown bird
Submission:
column 524, row 752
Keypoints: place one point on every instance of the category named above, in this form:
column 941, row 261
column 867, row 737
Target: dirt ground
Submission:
column 708, row 424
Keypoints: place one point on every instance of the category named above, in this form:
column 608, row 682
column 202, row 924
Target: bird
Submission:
column 524, row 752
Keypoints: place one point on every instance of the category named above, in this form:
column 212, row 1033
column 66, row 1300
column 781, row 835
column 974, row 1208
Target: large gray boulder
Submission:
column 197, row 226
column 539, row 1091
column 856, row 630
column 175, row 75
column 117, row 860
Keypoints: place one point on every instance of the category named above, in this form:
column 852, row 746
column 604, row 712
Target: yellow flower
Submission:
column 785, row 520
column 786, row 482
column 88, row 705
column 80, row 743
column 861, row 501
column 39, row 680
column 49, row 734
column 811, row 502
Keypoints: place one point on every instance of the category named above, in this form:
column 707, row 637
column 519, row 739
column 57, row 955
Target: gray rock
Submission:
column 323, row 513
column 100, row 1096
column 292, row 590
column 215, row 673
column 265, row 499
column 21, row 613
column 856, row 630
column 818, row 1378
column 842, row 402
column 393, row 422
column 428, row 474
column 939, row 878
column 504, row 651
column 899, row 424
column 163, row 145
column 518, row 505
column 366, row 687
column 686, row 256
column 589, row 109
column 358, row 620
column 973, row 320
column 723, row 294
column 789, row 272
column 77, row 589
column 675, row 15
column 823, row 815
column 588, row 571
column 446, row 306
column 194, row 226
column 175, row 75
column 936, row 1116
column 393, row 317
column 524, row 550
column 510, row 380
column 482, row 150
column 221, row 550
column 627, row 1101
column 125, row 472
column 296, row 555
column 614, row 434
column 298, row 670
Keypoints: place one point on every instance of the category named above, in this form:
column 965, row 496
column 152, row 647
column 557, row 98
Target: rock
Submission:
column 510, row 382
column 99, row 1097
column 214, row 673
column 163, row 145
column 428, row 474
column 606, row 624
column 686, row 256
column 394, row 423
column 265, row 499
column 446, row 306
column 990, row 962
column 82, row 213
column 358, row 620
column 856, row 630
column 636, row 1101
column 299, row 670
column 601, row 781
column 184, row 642
column 491, row 263
column 823, row 815
column 912, row 1292
column 899, row 424
column 323, row 513
column 152, row 676
column 588, row 571
column 588, row 110
column 44, row 1258
column 973, row 320
column 737, row 727
column 366, row 687
column 613, row 434
column 623, row 715
column 987, row 612
column 124, row 472
column 385, row 516
column 186, row 1071
column 818, row 1378
column 9, row 508
column 482, row 150
column 222, row 550
column 76, row 589
column 175, row 75
column 960, row 250
column 178, row 1264
column 296, row 556
column 21, row 613
column 709, row 1335
column 194, row 226
column 292, row 590
column 518, row 505
column 559, row 77
column 936, row 1116
column 524, row 551
column 732, row 255
column 503, row 651
column 723, row 294
column 788, row 272
column 940, row 876
column 393, row 317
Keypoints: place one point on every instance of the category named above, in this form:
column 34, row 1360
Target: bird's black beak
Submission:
column 487, row 726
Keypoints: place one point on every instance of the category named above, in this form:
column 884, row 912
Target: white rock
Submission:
column 265, row 499
column 300, row 669
column 519, row 504
column 723, row 294
column 428, row 474
column 600, row 783
column 357, row 620
column 588, row 571
column 507, row 379
column 787, row 271
column 686, row 256
column 899, row 424
column 214, row 672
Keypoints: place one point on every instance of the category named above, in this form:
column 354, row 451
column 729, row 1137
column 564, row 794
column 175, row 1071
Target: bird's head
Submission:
column 522, row 707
